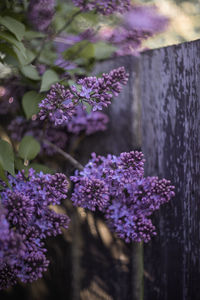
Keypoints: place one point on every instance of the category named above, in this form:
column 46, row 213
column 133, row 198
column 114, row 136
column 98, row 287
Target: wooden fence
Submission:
column 158, row 111
column 170, row 93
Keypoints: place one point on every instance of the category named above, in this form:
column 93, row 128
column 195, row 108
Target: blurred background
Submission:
column 184, row 21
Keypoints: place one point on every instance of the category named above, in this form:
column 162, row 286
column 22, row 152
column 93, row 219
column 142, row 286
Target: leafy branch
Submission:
column 66, row 155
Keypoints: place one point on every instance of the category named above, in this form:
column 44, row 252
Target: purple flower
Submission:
column 40, row 13
column 89, row 123
column 54, row 108
column 64, row 64
column 138, row 24
column 98, row 92
column 90, row 193
column 7, row 276
column 96, row 121
column 85, row 92
column 145, row 19
column 130, row 197
column 129, row 216
column 25, row 221
column 105, row 7
column 59, row 105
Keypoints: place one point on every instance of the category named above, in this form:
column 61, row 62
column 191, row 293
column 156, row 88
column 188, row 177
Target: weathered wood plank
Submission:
column 171, row 142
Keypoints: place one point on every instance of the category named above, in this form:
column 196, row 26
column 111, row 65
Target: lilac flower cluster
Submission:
column 25, row 221
column 98, row 92
column 89, row 123
column 59, row 105
column 105, row 7
column 138, row 24
column 146, row 19
column 117, row 187
column 40, row 13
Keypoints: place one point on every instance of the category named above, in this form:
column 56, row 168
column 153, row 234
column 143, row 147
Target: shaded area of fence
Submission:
column 170, row 90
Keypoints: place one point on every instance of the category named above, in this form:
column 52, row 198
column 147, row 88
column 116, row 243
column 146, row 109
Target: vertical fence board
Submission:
column 170, row 93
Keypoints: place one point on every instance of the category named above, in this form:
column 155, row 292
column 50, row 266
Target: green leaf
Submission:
column 30, row 103
column 3, row 175
column 19, row 165
column 12, row 40
column 88, row 107
column 28, row 148
column 14, row 26
column 30, row 72
column 24, row 60
column 7, row 49
column 49, row 77
column 83, row 49
column 7, row 157
column 48, row 56
column 103, row 50
column 41, row 168
column 29, row 35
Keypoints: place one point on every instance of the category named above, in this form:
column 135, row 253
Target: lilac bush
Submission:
column 48, row 53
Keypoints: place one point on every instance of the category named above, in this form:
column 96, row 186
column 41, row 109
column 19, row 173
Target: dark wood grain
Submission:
column 170, row 93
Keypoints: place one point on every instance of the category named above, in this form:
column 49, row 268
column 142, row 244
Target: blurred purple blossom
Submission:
column 89, row 123
column 145, row 19
column 65, row 64
column 138, row 24
column 105, row 7
column 19, row 127
column 40, row 13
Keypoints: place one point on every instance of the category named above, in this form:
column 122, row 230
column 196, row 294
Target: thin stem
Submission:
column 48, row 39
column 82, row 47
column 68, row 22
column 67, row 156
column 76, row 143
